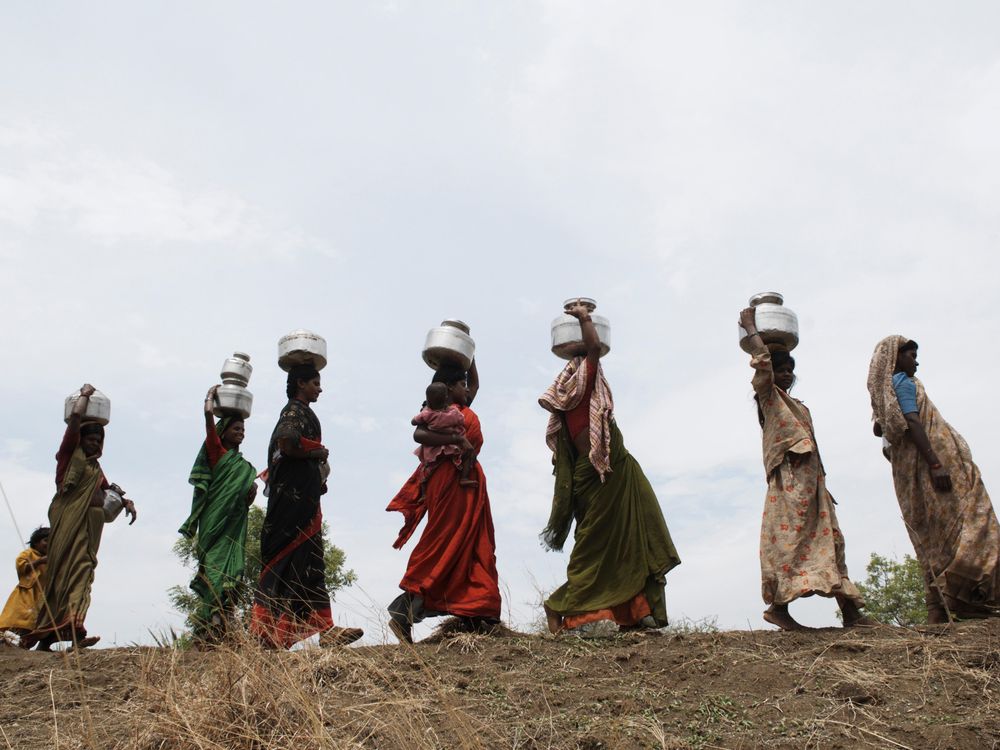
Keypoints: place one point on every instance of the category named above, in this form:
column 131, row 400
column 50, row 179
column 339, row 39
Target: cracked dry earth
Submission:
column 880, row 688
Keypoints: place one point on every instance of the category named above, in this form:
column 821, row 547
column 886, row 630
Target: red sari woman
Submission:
column 452, row 570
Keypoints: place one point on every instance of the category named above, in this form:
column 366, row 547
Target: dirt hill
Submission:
column 884, row 688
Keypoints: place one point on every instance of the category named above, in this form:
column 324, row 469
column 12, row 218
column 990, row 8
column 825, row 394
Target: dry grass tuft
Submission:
column 246, row 698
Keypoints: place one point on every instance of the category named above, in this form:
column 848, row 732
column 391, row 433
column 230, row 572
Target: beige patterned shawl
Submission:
column 885, row 405
column 565, row 393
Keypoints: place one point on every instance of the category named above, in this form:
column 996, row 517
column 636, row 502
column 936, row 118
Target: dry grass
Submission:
column 881, row 688
column 244, row 698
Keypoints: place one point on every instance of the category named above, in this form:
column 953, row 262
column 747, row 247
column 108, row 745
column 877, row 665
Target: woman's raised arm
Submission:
column 591, row 341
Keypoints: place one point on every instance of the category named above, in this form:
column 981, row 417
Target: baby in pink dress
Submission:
column 441, row 416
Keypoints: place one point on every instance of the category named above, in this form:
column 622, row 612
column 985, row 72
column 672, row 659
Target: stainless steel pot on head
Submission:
column 232, row 397
column 237, row 369
column 567, row 335
column 449, row 344
column 233, row 400
column 778, row 325
column 301, row 347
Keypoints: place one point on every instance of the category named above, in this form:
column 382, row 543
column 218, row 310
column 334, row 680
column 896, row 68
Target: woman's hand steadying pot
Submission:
column 210, row 399
column 87, row 390
column 578, row 310
column 129, row 507
column 748, row 320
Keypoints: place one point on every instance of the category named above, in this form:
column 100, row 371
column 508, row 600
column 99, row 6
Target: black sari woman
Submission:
column 291, row 601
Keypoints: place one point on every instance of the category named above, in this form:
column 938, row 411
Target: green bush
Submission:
column 185, row 601
column 894, row 591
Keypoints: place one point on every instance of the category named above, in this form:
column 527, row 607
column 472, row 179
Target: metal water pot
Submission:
column 232, row 400
column 567, row 335
column 237, row 369
column 778, row 325
column 98, row 408
column 232, row 397
column 449, row 344
column 113, row 505
column 301, row 347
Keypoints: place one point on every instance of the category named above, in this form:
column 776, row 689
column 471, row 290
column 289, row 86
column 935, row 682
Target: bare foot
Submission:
column 83, row 643
column 339, row 636
column 554, row 620
column 779, row 616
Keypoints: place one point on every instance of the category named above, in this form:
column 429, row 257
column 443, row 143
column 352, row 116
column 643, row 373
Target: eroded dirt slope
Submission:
column 885, row 688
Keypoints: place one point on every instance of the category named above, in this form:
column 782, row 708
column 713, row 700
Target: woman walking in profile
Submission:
column 76, row 518
column 801, row 547
column 224, row 489
column 622, row 548
column 291, row 601
column 945, row 506
column 452, row 570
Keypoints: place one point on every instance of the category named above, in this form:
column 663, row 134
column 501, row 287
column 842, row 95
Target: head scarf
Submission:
column 885, row 405
column 565, row 394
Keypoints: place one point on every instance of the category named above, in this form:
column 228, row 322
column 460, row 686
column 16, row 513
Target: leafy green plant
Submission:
column 185, row 601
column 894, row 591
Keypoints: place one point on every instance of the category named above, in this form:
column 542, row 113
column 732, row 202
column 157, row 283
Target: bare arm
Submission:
column 473, row 381
column 71, row 438
column 763, row 379
column 209, row 407
column 918, row 436
column 591, row 341
column 79, row 409
column 428, row 437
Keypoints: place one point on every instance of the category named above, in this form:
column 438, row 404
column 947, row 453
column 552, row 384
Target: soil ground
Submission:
column 883, row 687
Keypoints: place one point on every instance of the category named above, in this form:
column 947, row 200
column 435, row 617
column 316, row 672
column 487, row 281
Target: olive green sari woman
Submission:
column 76, row 516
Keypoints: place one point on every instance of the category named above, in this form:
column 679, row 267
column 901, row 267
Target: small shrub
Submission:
column 894, row 591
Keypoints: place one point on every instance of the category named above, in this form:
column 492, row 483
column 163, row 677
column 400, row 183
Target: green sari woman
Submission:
column 224, row 489
column 622, row 548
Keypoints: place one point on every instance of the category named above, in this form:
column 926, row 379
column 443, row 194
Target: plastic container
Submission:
column 98, row 408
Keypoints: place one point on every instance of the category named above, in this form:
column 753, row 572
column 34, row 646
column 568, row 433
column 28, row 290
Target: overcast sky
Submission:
column 182, row 180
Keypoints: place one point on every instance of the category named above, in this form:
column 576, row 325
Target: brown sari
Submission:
column 77, row 526
column 955, row 534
